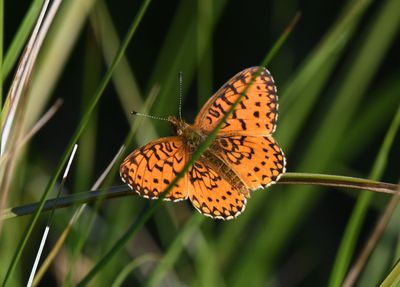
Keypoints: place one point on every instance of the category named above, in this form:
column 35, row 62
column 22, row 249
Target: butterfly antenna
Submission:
column 180, row 80
column 135, row 113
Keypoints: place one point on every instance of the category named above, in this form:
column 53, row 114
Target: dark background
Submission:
column 244, row 32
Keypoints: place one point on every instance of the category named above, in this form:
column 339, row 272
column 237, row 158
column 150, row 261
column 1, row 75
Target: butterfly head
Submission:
column 191, row 136
column 178, row 125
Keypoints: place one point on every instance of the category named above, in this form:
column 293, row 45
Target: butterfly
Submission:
column 242, row 158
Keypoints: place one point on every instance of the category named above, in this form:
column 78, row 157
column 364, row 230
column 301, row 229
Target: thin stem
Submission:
column 336, row 181
column 339, row 181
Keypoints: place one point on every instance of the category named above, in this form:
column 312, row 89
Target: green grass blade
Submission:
column 174, row 250
column 365, row 125
column 207, row 265
column 292, row 178
column 376, row 256
column 172, row 60
column 318, row 155
column 87, row 144
column 20, row 38
column 53, row 56
column 119, row 280
column 204, row 29
column 349, row 240
column 387, row 20
column 76, row 136
column 124, row 79
column 393, row 279
column 297, row 99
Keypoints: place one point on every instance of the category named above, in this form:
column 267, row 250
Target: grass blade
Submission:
column 50, row 219
column 76, row 135
column 393, row 279
column 388, row 20
column 174, row 250
column 356, row 220
column 119, row 280
column 20, row 37
column 290, row 178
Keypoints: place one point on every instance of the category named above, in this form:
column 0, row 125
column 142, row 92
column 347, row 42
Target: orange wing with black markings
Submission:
column 257, row 160
column 212, row 195
column 256, row 113
column 151, row 168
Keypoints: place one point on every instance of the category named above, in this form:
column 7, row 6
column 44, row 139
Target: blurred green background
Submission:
column 338, row 80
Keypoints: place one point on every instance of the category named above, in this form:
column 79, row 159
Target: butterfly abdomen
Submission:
column 226, row 172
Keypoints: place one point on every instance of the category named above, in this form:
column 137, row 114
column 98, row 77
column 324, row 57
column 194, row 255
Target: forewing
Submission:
column 150, row 169
column 256, row 114
column 257, row 160
column 212, row 195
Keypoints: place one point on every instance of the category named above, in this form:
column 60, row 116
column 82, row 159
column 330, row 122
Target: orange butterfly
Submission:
column 242, row 158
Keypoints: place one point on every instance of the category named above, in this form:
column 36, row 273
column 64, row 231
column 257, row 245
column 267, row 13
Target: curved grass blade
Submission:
column 337, row 181
column 132, row 266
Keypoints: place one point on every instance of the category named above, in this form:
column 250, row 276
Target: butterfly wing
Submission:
column 257, row 160
column 150, row 169
column 212, row 195
column 256, row 114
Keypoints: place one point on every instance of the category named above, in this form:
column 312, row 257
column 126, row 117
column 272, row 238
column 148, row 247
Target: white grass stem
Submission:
column 38, row 255
column 70, row 161
column 46, row 231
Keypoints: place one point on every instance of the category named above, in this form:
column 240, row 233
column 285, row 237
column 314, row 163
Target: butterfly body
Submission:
column 191, row 136
column 192, row 139
column 243, row 157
